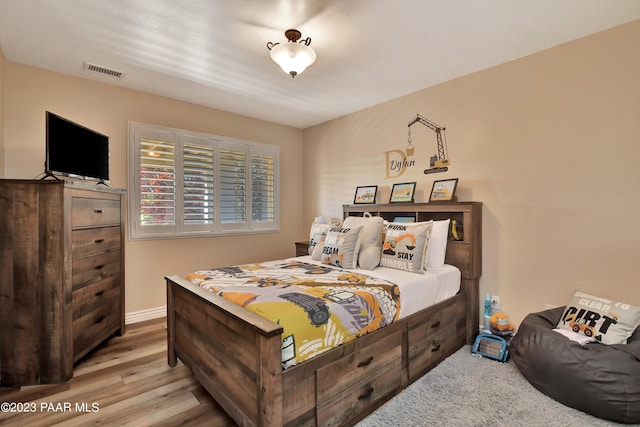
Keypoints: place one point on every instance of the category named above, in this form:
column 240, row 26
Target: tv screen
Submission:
column 76, row 151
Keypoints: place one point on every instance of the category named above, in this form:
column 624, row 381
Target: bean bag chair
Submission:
column 599, row 379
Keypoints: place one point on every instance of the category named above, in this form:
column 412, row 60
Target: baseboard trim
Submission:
column 142, row 315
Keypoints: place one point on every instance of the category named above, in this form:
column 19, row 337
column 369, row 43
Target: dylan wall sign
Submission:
column 397, row 161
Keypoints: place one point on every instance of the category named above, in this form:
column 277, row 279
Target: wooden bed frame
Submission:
column 236, row 354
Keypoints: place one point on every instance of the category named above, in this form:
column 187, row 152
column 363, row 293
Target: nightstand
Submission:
column 302, row 248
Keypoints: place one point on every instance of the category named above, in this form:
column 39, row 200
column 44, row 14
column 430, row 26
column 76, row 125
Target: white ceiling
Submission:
column 213, row 52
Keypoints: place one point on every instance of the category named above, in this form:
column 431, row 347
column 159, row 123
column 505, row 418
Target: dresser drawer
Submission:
column 94, row 212
column 90, row 241
column 94, row 268
column 91, row 297
column 359, row 366
column 95, row 326
column 361, row 397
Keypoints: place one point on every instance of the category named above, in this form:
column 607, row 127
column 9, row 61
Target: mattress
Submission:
column 417, row 291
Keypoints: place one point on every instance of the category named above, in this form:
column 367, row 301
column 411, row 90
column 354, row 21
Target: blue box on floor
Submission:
column 491, row 346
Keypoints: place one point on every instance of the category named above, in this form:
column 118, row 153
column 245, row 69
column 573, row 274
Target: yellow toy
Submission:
column 500, row 322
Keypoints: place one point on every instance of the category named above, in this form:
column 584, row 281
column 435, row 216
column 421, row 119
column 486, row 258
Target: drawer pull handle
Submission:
column 435, row 325
column 366, row 394
column 99, row 211
column 99, row 319
column 99, row 267
column 98, row 241
column 365, row 362
column 436, row 346
column 97, row 294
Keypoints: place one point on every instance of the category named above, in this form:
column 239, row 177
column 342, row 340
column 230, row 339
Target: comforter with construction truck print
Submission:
column 318, row 307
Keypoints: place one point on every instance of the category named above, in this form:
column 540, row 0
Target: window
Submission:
column 186, row 184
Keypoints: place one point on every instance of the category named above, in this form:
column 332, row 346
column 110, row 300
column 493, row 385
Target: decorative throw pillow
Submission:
column 318, row 246
column 370, row 239
column 438, row 243
column 608, row 321
column 341, row 247
column 317, row 233
column 405, row 246
column 319, row 229
column 317, row 239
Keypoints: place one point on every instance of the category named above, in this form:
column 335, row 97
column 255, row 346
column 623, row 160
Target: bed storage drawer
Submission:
column 346, row 405
column 359, row 379
column 434, row 336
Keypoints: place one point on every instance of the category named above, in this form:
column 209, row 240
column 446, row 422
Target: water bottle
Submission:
column 487, row 312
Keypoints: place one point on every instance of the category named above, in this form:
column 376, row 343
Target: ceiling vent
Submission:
column 103, row 70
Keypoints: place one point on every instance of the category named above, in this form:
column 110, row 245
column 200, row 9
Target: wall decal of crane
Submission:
column 439, row 162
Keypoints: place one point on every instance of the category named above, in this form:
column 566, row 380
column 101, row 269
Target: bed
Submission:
column 236, row 354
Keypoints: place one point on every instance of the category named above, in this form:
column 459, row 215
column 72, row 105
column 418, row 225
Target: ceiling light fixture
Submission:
column 294, row 56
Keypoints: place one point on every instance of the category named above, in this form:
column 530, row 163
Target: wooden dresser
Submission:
column 61, row 276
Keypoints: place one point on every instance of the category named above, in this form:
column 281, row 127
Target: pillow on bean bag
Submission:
column 608, row 321
column 602, row 380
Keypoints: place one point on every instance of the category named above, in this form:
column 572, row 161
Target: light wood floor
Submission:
column 130, row 383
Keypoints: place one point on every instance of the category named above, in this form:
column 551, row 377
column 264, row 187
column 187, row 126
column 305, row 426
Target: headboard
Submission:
column 464, row 246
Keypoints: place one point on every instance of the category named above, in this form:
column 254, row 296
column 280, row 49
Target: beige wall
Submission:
column 30, row 91
column 549, row 143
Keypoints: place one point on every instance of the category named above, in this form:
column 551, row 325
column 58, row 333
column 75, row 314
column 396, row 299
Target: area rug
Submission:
column 469, row 390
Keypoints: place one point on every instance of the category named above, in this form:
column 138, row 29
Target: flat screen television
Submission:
column 75, row 151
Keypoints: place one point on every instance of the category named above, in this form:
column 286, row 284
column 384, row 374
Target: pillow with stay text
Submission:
column 405, row 246
column 608, row 321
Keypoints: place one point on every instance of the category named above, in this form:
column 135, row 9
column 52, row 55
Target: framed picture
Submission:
column 402, row 192
column 444, row 190
column 365, row 194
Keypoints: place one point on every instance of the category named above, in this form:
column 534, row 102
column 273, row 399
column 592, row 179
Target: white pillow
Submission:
column 316, row 252
column 319, row 229
column 370, row 239
column 438, row 243
column 405, row 246
column 341, row 247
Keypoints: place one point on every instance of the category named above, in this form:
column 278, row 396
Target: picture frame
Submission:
column 402, row 193
column 365, row 194
column 444, row 190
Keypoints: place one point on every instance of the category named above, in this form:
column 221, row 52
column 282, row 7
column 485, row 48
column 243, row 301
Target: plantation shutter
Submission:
column 263, row 185
column 185, row 184
column 157, row 182
column 233, row 186
column 197, row 182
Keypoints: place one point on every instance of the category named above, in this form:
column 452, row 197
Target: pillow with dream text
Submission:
column 405, row 246
column 608, row 321
column 370, row 239
column 341, row 246
column 438, row 243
